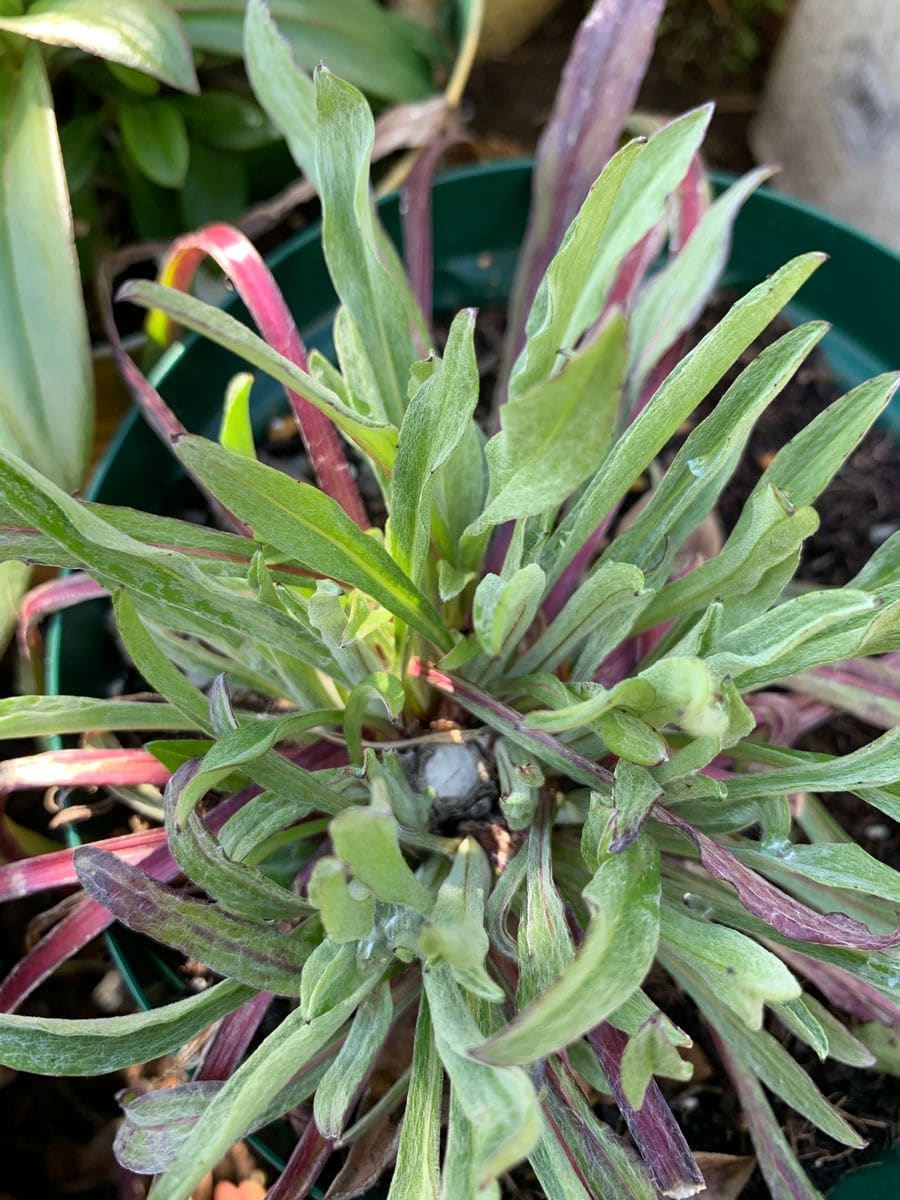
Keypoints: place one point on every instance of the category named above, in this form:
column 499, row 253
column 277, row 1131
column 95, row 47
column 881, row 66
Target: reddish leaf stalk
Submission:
column 304, row 1166
column 653, row 1126
column 230, row 1041
column 253, row 281
column 44, row 600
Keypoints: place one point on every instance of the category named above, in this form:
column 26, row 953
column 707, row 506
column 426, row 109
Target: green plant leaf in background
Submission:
column 155, row 136
column 144, row 34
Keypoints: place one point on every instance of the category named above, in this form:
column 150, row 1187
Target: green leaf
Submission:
column 377, row 440
column 238, row 748
column 544, row 943
column 415, row 1174
column 673, row 403
column 144, row 34
column 248, row 1092
column 348, row 913
column 631, row 739
column 365, row 270
column 883, row 1043
column 703, row 465
column 499, row 1102
column 53, row 1046
column 46, row 399
column 769, row 534
column 286, row 93
column 433, row 425
column 765, row 1057
column 48, row 716
column 834, row 865
column 367, row 842
column 237, row 887
column 338, row 1087
column 236, row 430
column 594, row 620
column 615, row 955
column 312, row 529
column 503, row 609
column 165, row 579
column 377, row 50
column 805, row 466
column 743, row 974
column 226, row 120
column 455, row 932
column 559, row 290
column 246, row 951
column 155, row 137
column 674, row 299
column 650, row 1052
column 555, row 435
column 640, row 204
column 803, row 1023
column 381, row 691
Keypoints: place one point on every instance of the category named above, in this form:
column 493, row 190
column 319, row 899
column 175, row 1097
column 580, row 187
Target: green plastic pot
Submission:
column 479, row 221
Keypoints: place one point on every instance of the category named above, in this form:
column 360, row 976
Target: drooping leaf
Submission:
column 773, row 906
column 241, row 950
column 56, row 1046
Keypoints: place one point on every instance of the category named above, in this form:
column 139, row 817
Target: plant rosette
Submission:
column 515, row 752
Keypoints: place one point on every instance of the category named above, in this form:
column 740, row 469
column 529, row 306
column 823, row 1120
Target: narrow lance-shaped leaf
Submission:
column 244, row 268
column 313, row 530
column 365, row 270
column 499, row 1102
column 260, row 957
column 285, row 91
column 237, row 887
column 608, row 57
column 54, row 1046
column 48, row 716
column 778, row 1163
column 415, row 1175
column 676, row 399
column 338, row 1087
column 623, row 898
column 244, row 1097
column 433, row 426
column 374, row 438
column 773, row 906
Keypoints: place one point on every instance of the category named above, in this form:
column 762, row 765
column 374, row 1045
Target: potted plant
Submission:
column 517, row 743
